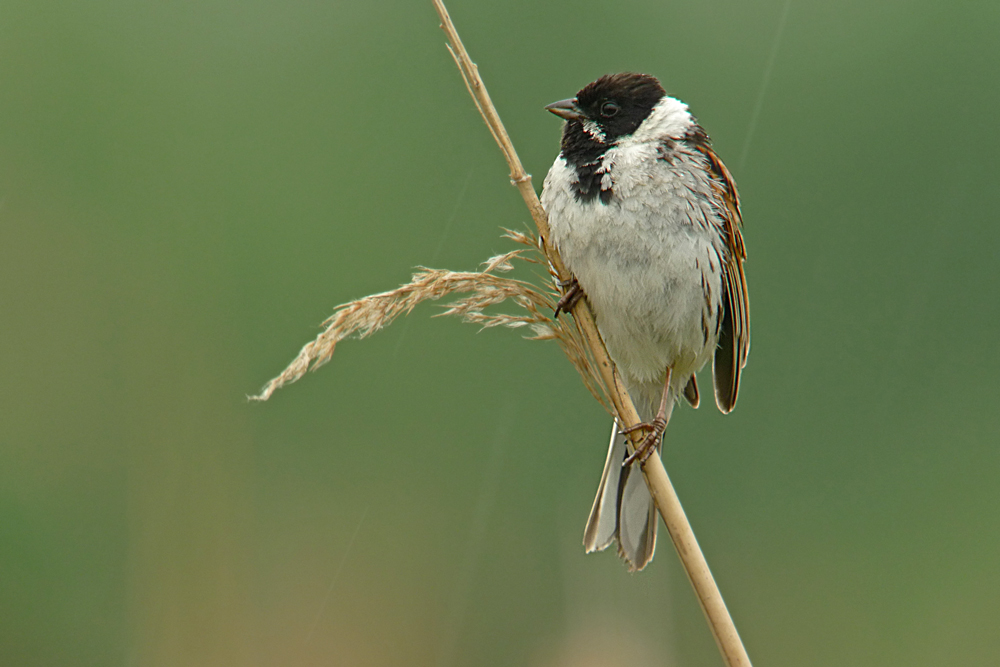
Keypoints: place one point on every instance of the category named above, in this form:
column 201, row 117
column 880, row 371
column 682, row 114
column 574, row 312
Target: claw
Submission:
column 649, row 444
column 638, row 427
column 656, row 428
column 570, row 296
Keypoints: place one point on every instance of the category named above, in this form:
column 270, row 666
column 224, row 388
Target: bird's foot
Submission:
column 571, row 294
column 655, row 428
column 649, row 444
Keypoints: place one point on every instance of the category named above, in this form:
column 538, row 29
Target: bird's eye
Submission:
column 609, row 109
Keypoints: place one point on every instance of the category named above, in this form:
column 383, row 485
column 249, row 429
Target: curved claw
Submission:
column 569, row 298
column 638, row 427
column 655, row 427
column 649, row 444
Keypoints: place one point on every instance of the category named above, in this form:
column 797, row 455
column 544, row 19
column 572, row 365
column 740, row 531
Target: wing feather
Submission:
column 734, row 322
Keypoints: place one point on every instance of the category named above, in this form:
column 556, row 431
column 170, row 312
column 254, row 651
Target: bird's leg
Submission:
column 571, row 294
column 656, row 428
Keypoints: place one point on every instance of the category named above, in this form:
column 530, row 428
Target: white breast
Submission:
column 649, row 261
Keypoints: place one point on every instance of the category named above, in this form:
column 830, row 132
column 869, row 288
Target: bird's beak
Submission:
column 566, row 109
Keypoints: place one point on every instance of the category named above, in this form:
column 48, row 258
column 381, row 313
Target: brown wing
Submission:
column 734, row 328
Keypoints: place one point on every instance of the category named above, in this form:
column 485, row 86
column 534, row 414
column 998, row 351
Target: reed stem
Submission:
column 667, row 502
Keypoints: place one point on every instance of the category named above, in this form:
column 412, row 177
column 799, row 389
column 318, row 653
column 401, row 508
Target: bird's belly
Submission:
column 655, row 292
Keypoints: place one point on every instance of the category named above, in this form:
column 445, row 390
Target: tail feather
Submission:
column 603, row 522
column 636, row 520
column 623, row 510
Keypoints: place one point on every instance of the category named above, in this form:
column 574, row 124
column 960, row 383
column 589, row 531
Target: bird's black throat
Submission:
column 583, row 152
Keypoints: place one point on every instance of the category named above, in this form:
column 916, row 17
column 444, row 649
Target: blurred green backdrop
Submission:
column 188, row 188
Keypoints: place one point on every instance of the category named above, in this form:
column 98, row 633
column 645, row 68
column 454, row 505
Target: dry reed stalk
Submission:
column 667, row 502
column 485, row 289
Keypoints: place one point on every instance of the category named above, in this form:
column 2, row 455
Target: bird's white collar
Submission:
column 669, row 118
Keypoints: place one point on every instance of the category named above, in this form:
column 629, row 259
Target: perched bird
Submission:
column 647, row 219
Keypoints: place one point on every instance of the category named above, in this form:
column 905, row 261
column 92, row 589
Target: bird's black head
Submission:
column 604, row 111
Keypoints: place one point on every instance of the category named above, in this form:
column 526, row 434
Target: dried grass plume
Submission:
column 485, row 289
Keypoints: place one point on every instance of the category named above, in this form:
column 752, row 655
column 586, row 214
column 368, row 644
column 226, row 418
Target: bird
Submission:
column 646, row 218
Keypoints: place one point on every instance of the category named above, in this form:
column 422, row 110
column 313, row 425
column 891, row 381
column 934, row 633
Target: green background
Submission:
column 188, row 188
